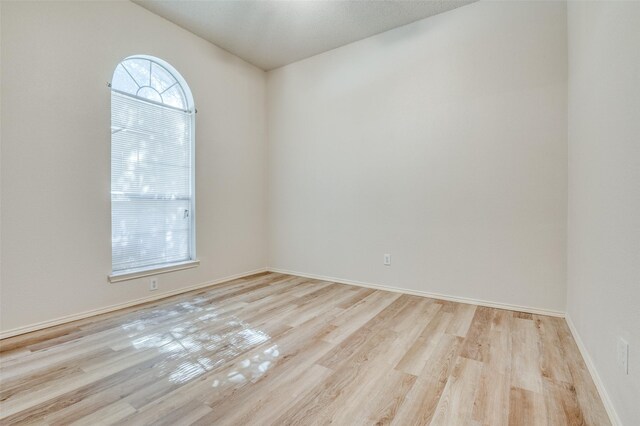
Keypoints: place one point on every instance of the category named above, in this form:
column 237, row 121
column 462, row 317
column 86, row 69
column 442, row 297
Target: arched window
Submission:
column 152, row 168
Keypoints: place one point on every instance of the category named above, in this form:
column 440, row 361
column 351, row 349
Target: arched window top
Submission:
column 152, row 79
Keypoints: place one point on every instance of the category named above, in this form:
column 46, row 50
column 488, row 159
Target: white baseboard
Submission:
column 604, row 396
column 93, row 312
column 469, row 301
column 86, row 314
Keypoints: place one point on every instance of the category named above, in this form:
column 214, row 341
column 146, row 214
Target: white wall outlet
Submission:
column 623, row 355
column 153, row 284
column 387, row 260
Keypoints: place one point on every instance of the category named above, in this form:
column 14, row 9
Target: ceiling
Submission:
column 270, row 34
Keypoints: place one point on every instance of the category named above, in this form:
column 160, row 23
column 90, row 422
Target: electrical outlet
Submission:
column 153, row 284
column 623, row 355
column 387, row 260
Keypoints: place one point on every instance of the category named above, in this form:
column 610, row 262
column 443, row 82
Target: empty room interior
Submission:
column 320, row 212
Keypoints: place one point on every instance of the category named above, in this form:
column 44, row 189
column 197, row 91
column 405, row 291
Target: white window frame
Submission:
column 131, row 274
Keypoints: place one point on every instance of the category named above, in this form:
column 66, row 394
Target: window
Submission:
column 152, row 173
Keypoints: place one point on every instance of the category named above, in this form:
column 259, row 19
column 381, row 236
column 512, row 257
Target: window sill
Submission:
column 133, row 274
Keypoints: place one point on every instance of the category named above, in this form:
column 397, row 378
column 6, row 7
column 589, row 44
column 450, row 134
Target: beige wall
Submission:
column 442, row 142
column 604, row 191
column 56, row 61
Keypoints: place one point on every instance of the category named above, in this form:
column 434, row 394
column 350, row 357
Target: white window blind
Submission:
column 151, row 184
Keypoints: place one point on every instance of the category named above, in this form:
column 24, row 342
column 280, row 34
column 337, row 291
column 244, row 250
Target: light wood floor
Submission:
column 283, row 350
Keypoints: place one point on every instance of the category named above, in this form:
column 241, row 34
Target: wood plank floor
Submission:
column 284, row 350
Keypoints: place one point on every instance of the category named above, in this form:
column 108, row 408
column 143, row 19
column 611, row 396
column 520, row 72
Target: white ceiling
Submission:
column 270, row 34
